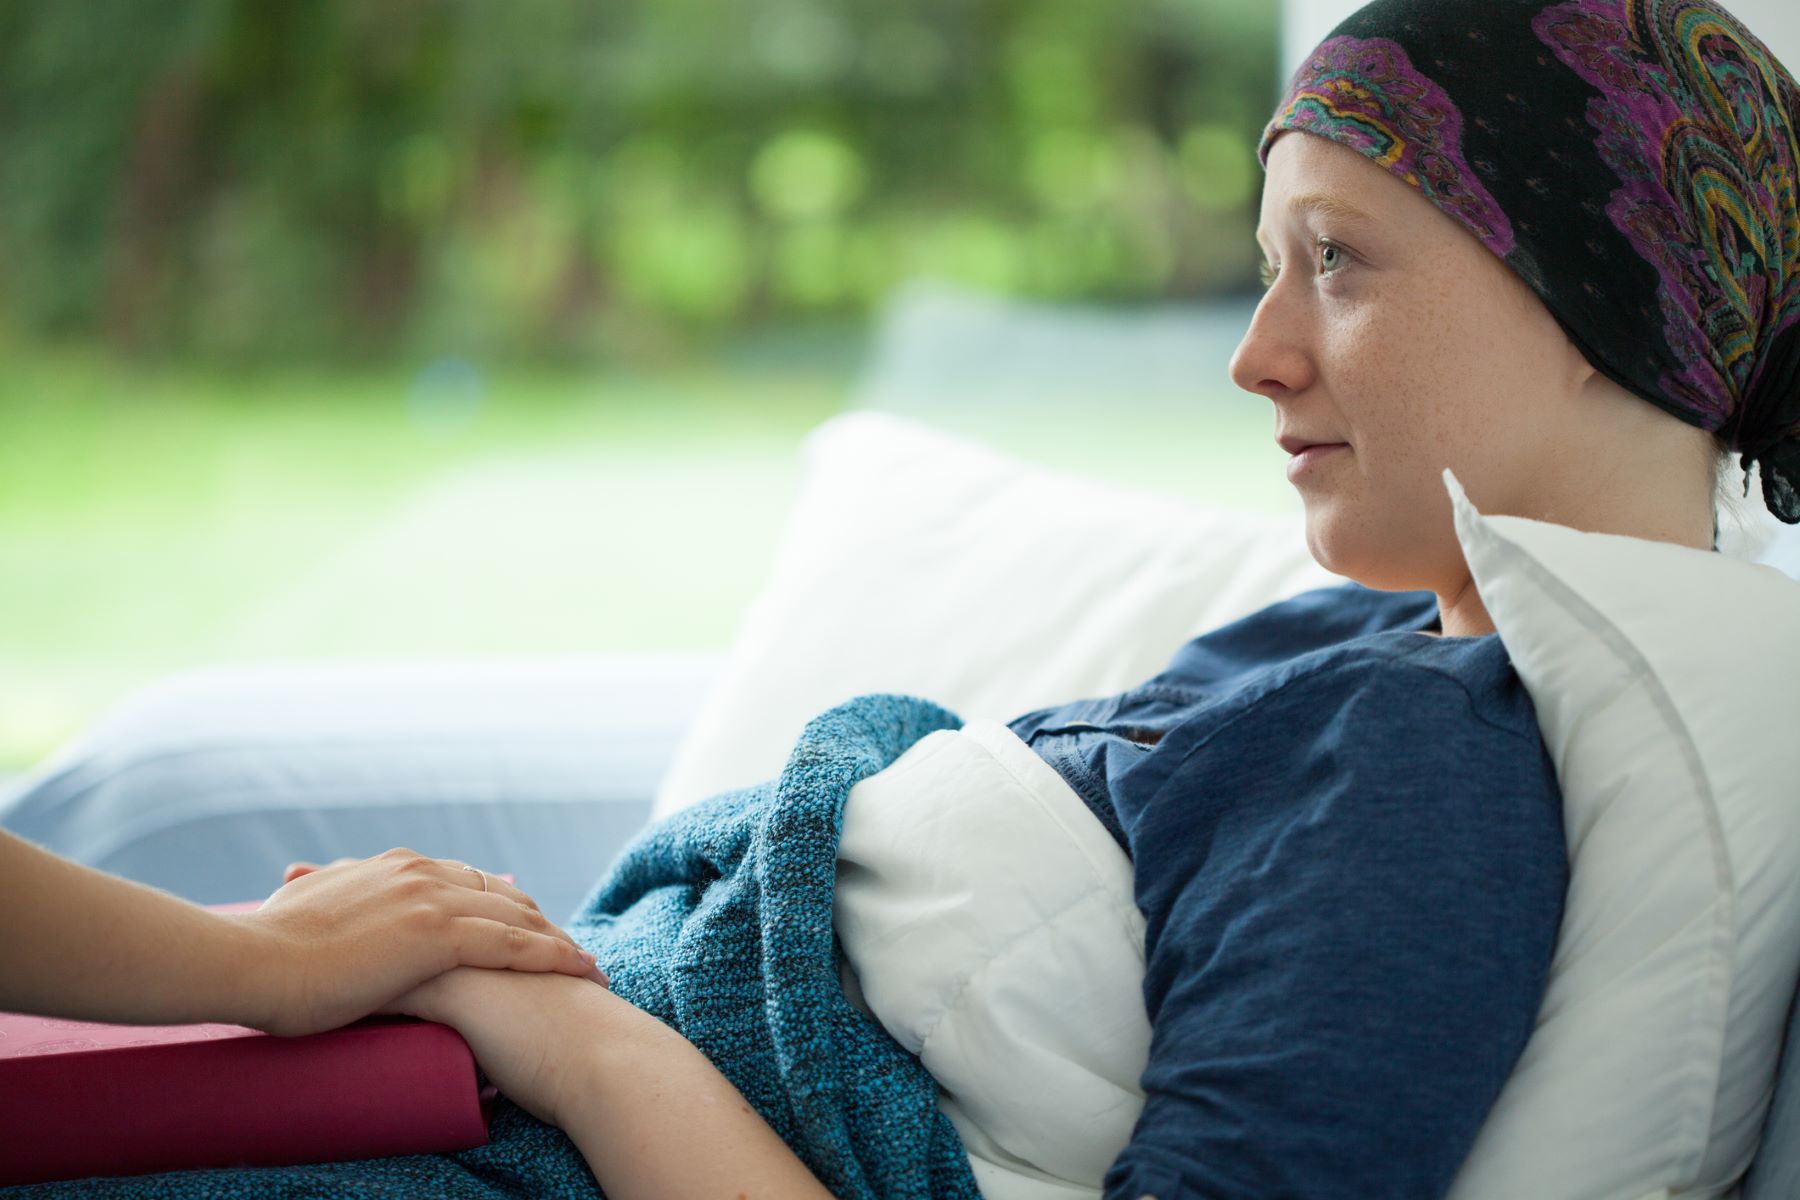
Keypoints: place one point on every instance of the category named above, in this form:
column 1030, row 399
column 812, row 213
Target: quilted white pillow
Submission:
column 917, row 561
column 988, row 922
column 1667, row 684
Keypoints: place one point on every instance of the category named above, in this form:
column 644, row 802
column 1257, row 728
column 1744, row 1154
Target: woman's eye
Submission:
column 1332, row 258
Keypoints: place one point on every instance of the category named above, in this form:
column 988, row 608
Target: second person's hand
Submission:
column 337, row 943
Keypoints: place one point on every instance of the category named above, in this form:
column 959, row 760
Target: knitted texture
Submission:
column 718, row 922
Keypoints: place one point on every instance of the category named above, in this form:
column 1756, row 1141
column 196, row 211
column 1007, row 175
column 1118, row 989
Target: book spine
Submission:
column 380, row 1087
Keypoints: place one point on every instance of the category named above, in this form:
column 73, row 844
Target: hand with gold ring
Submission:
column 342, row 941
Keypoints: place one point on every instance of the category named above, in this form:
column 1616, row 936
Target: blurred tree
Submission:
column 252, row 178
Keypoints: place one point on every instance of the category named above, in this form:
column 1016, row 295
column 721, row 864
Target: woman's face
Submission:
column 1389, row 329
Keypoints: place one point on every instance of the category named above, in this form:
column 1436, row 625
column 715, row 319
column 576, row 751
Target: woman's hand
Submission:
column 527, row 1031
column 337, row 943
column 651, row 1115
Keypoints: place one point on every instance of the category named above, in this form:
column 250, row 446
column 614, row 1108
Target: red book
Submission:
column 79, row 1098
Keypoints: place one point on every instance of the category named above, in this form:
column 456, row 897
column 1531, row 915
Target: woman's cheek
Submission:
column 1359, row 353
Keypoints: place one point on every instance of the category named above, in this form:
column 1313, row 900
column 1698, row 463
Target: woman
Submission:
column 320, row 953
column 1503, row 228
column 1553, row 247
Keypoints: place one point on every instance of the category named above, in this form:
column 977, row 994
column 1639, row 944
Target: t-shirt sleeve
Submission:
column 1352, row 888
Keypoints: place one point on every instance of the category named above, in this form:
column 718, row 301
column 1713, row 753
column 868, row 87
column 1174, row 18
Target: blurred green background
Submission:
column 435, row 327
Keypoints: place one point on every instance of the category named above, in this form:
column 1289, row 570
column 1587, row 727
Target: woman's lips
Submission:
column 1310, row 459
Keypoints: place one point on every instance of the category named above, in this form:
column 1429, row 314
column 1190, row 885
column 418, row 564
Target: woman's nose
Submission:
column 1270, row 360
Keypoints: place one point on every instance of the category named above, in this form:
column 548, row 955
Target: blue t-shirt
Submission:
column 1347, row 845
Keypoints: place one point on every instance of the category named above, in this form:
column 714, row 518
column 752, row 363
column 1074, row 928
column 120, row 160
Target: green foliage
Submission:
column 256, row 178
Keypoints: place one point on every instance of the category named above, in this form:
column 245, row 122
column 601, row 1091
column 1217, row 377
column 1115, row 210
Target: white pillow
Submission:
column 988, row 923
column 1667, row 687
column 919, row 562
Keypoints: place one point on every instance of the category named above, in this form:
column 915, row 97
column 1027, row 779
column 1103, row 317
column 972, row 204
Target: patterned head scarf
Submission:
column 1634, row 161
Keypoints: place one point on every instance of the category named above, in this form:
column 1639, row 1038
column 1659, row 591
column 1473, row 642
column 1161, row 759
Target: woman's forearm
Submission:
column 79, row 943
column 654, row 1118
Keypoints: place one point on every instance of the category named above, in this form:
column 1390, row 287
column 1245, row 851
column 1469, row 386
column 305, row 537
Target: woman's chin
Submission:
column 1325, row 538
column 1335, row 545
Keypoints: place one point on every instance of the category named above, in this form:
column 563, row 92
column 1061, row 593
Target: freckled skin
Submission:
column 1420, row 348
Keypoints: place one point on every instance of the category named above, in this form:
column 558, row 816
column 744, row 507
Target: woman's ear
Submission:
column 1569, row 363
column 1581, row 371
column 1575, row 370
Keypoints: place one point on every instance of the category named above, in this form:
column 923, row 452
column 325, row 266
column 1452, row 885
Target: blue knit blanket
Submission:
column 718, row 921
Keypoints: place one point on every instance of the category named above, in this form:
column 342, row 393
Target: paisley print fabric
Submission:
column 1366, row 94
column 1635, row 161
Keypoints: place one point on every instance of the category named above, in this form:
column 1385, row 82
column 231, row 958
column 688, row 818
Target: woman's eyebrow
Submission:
column 1325, row 204
column 1328, row 205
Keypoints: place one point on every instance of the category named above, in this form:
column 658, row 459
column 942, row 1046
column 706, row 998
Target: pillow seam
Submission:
column 1723, row 950
column 1100, row 873
column 954, row 999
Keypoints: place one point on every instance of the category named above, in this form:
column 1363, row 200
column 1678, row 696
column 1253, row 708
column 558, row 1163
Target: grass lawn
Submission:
column 157, row 519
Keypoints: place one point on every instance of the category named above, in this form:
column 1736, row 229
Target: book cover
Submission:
column 82, row 1098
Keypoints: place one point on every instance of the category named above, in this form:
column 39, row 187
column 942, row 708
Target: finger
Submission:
column 465, row 875
column 508, row 947
column 507, row 911
column 296, row 870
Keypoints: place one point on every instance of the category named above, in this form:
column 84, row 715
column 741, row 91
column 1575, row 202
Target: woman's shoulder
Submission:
column 1315, row 650
column 1379, row 719
column 1395, row 683
column 1237, row 653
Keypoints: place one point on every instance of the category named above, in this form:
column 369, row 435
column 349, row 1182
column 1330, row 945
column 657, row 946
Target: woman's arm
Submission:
column 650, row 1114
column 329, row 947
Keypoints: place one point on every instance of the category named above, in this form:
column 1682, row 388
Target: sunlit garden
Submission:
column 340, row 330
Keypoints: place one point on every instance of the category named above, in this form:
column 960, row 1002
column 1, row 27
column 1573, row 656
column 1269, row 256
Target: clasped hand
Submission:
column 353, row 938
column 529, row 1032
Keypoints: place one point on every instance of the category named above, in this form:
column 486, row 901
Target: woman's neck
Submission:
column 1461, row 613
